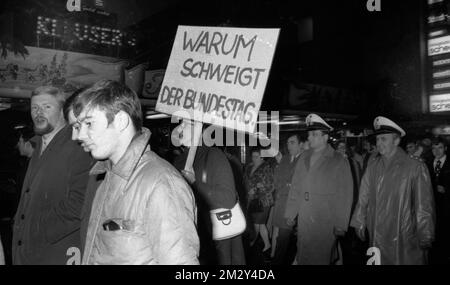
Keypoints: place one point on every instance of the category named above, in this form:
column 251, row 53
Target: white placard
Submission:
column 218, row 75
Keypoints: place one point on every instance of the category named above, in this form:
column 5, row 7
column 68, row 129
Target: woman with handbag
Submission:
column 260, row 187
column 218, row 205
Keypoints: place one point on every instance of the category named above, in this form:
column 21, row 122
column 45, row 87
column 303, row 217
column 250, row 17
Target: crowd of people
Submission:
column 94, row 192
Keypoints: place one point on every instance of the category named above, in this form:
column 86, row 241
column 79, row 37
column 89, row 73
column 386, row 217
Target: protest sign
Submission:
column 218, row 75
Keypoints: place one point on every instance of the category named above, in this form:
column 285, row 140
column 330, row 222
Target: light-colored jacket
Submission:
column 154, row 204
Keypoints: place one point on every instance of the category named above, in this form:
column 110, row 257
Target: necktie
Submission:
column 437, row 168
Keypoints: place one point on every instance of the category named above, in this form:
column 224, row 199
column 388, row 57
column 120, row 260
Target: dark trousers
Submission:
column 353, row 249
column 230, row 251
column 284, row 240
column 440, row 253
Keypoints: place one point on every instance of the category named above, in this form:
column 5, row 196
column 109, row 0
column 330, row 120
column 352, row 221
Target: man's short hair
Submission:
column 111, row 97
column 50, row 90
column 68, row 105
column 300, row 138
column 257, row 149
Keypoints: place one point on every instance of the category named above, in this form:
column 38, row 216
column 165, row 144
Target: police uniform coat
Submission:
column 321, row 198
column 396, row 205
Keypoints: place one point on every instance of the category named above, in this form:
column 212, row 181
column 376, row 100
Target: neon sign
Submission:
column 94, row 34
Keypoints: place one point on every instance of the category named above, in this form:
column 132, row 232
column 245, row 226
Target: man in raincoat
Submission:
column 321, row 196
column 395, row 201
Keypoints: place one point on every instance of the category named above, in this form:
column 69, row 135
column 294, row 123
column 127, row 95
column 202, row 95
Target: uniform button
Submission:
column 22, row 217
column 288, row 184
column 28, row 190
column 19, row 242
column 306, row 196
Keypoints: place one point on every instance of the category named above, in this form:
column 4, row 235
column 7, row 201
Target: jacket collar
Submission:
column 127, row 163
column 60, row 136
column 38, row 160
column 327, row 151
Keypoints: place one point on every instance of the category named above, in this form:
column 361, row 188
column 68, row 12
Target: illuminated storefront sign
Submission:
column 440, row 103
column 73, row 5
column 442, row 74
column 437, row 69
column 95, row 34
column 441, row 62
column 439, row 46
column 431, row 2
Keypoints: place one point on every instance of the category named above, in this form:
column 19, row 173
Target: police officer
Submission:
column 320, row 197
column 395, row 201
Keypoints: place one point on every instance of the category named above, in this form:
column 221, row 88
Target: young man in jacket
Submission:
column 143, row 211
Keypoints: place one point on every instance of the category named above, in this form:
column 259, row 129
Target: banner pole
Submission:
column 196, row 140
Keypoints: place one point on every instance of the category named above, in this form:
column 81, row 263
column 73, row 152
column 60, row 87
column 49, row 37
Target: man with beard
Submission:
column 47, row 222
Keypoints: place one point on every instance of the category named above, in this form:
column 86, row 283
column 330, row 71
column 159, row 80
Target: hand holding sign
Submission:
column 190, row 134
column 189, row 176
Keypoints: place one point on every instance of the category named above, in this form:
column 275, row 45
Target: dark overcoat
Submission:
column 47, row 221
column 321, row 197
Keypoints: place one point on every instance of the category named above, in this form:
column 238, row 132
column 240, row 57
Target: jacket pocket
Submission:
column 123, row 247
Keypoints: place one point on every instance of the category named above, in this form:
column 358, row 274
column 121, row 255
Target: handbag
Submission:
column 226, row 223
